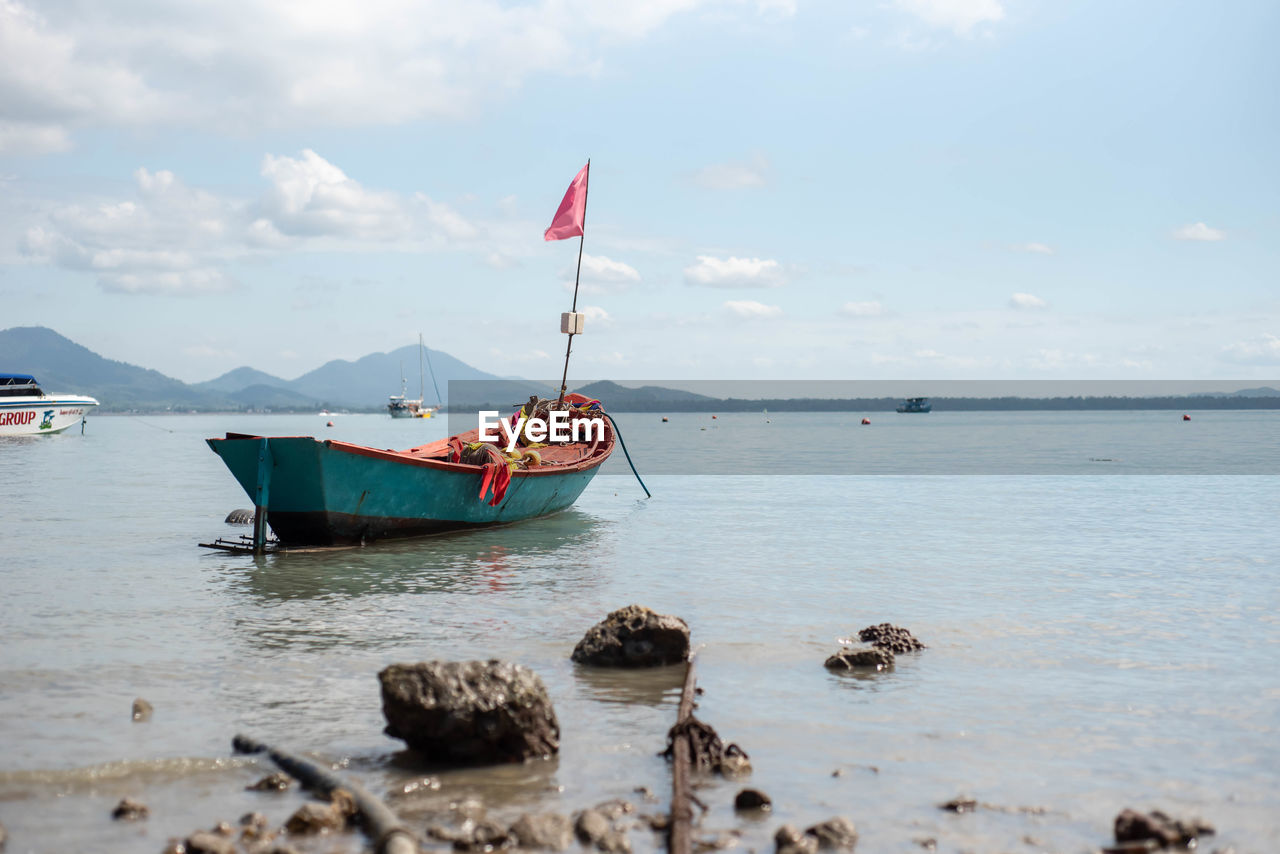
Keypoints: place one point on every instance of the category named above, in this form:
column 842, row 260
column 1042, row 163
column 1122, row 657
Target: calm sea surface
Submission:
column 1100, row 593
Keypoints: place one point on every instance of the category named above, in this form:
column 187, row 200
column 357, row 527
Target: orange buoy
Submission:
column 1186, row 417
column 866, row 421
column 665, row 419
column 713, row 418
column 329, row 424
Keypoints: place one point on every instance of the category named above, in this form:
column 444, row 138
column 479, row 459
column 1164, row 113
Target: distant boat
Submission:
column 25, row 409
column 318, row 492
column 915, row 404
column 399, row 406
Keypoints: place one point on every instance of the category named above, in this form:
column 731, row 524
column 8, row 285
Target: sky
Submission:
column 780, row 189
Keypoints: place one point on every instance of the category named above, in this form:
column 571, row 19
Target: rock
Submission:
column 852, row 658
column 789, row 840
column 254, row 826
column 1134, row 826
column 315, row 818
column 142, row 710
column 834, row 833
column 4, row 837
column 484, row 835
column 615, row 842
column 634, row 637
column 130, row 810
column 240, row 517
column 276, row 782
column 175, row 846
column 893, row 638
column 209, row 843
column 591, row 826
column 960, row 804
column 550, row 832
column 752, row 799
column 469, row 712
column 222, row 828
column 928, row 843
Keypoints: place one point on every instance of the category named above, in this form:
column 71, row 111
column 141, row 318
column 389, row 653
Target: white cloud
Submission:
column 1198, row 231
column 239, row 64
column 1026, row 301
column 960, row 16
column 753, row 172
column 309, row 196
column 32, row 138
column 1259, row 351
column 595, row 314
column 751, row 309
column 1038, row 248
column 174, row 239
column 714, row 272
column 601, row 275
column 862, row 309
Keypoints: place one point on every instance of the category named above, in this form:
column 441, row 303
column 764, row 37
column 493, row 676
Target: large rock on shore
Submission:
column 634, row 636
column 469, row 712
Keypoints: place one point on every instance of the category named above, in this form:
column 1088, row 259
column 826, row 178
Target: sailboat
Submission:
column 399, row 406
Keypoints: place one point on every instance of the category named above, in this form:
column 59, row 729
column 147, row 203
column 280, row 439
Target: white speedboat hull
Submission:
column 31, row 416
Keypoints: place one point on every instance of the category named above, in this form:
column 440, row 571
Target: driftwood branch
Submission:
column 380, row 823
column 680, row 837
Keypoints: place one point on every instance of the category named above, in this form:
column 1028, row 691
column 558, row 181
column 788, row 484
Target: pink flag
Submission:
column 572, row 213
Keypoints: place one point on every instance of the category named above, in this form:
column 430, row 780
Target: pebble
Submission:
column 130, row 810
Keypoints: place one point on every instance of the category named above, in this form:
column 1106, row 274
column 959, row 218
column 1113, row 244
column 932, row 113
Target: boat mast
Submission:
column 434, row 384
column 420, row 378
column 582, row 238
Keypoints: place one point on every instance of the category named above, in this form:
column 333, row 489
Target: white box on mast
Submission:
column 571, row 322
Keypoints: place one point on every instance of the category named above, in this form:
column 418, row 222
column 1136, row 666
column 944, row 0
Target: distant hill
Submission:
column 61, row 364
column 239, row 380
column 367, row 382
column 645, row 398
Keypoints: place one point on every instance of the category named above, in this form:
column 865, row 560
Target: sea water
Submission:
column 1099, row 594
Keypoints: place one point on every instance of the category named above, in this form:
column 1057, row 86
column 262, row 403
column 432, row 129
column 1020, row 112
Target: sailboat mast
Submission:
column 420, row 377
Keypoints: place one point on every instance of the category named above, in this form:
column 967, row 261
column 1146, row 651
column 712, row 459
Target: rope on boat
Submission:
column 389, row 835
column 623, row 443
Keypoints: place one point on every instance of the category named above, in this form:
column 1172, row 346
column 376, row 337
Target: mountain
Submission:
column 62, row 365
column 367, row 382
column 645, row 398
column 239, row 380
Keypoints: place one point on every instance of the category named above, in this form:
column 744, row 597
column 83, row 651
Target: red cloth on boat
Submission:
column 497, row 476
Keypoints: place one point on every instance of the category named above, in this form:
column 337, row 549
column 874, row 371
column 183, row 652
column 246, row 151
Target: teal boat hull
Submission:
column 331, row 493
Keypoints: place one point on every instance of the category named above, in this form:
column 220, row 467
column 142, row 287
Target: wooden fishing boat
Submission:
column 326, row 492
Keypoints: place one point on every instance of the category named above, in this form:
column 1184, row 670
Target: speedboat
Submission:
column 26, row 410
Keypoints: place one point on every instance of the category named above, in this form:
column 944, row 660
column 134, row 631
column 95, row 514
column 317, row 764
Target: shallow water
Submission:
column 1095, row 641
